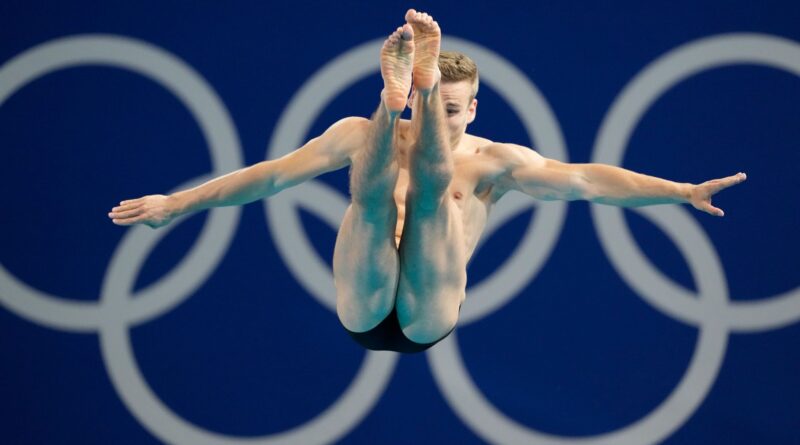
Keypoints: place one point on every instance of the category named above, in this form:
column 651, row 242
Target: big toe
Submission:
column 402, row 39
column 418, row 18
column 423, row 23
column 407, row 32
column 393, row 38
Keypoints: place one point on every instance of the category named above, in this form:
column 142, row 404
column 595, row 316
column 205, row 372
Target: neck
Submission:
column 454, row 141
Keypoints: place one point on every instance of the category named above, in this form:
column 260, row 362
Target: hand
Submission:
column 152, row 210
column 702, row 193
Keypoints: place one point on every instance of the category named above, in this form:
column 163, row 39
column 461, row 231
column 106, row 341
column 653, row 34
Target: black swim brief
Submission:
column 387, row 336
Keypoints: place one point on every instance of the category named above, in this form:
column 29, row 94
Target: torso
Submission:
column 471, row 188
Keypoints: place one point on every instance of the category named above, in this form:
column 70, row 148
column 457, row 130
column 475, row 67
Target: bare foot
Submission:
column 397, row 58
column 427, row 39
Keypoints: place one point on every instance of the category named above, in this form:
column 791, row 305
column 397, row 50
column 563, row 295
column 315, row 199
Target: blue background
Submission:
column 250, row 353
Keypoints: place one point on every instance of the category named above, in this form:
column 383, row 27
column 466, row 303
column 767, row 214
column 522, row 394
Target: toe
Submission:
column 407, row 32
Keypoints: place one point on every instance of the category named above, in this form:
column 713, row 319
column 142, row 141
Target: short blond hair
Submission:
column 456, row 67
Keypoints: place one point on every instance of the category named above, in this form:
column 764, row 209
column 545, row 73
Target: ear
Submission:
column 472, row 110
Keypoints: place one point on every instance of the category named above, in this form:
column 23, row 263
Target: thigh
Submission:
column 365, row 269
column 433, row 273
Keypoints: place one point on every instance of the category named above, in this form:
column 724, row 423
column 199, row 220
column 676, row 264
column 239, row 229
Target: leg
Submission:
column 432, row 252
column 365, row 260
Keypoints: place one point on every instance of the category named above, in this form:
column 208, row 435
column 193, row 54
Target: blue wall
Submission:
column 684, row 333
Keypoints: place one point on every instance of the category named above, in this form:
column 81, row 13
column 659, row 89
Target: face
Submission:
column 459, row 106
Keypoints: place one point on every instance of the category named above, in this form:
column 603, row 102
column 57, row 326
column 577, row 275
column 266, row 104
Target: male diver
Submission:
column 421, row 192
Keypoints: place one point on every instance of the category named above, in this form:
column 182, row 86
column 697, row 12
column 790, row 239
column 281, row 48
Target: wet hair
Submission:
column 456, row 67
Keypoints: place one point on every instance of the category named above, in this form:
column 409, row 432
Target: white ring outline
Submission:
column 313, row 273
column 623, row 116
column 488, row 422
column 217, row 128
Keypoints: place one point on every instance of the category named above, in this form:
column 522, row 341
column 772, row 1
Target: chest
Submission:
column 465, row 191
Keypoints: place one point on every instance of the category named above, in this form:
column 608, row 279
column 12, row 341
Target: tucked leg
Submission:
column 432, row 253
column 365, row 260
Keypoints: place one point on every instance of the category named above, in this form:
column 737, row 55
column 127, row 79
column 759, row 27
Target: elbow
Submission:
column 581, row 188
column 271, row 180
column 273, row 184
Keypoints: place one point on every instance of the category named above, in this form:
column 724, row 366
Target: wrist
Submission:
column 176, row 204
column 685, row 192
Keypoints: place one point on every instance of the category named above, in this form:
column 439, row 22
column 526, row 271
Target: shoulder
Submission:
column 350, row 124
column 344, row 136
column 476, row 142
column 512, row 155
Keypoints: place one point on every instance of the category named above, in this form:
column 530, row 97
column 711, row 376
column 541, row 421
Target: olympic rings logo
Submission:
column 119, row 309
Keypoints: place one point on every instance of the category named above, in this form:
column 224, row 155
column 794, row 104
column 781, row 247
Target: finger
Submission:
column 711, row 210
column 131, row 201
column 126, row 207
column 724, row 183
column 735, row 179
column 125, row 222
column 126, row 214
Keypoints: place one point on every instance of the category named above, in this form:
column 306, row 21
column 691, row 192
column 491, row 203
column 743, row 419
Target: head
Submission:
column 458, row 88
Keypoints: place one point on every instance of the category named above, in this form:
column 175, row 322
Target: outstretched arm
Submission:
column 527, row 171
column 330, row 151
